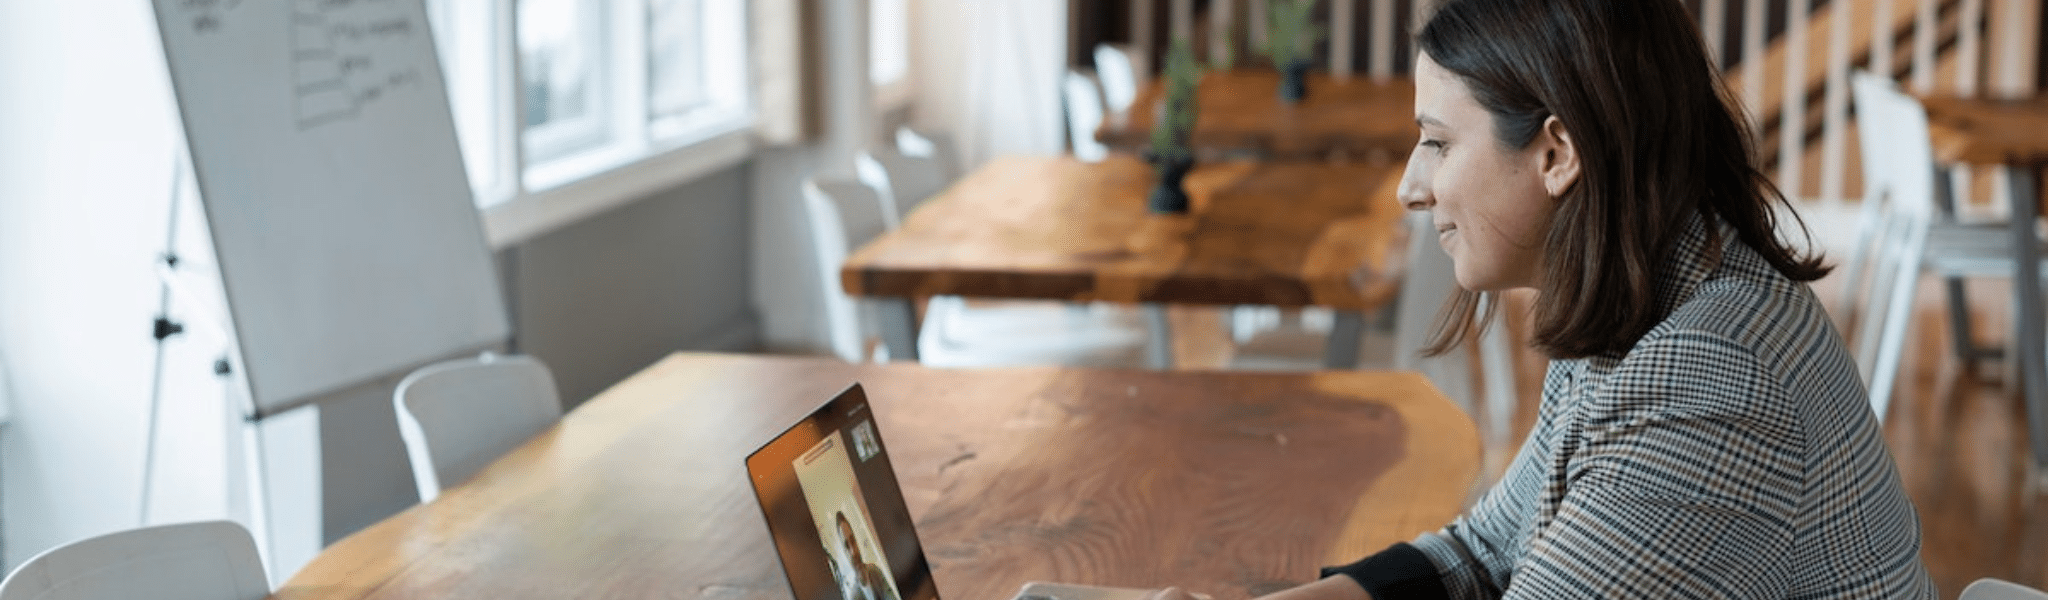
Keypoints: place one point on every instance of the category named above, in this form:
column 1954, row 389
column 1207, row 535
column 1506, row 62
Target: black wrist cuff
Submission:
column 1400, row 571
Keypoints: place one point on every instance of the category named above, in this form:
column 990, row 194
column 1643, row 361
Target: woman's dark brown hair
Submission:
column 1658, row 139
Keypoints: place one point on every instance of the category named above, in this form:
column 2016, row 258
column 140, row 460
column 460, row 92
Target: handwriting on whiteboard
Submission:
column 350, row 54
column 207, row 15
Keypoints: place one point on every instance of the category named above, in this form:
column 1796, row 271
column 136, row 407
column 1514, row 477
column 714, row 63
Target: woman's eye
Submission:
column 1436, row 145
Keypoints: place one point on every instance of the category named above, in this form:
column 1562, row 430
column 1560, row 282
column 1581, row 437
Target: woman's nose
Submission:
column 1414, row 188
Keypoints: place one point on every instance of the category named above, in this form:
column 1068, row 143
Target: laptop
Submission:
column 837, row 516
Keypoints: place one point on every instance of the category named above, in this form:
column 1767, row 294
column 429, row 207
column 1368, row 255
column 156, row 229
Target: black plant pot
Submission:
column 1294, row 81
column 1168, row 197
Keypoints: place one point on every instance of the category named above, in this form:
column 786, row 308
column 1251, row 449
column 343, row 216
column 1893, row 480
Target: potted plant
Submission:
column 1290, row 42
column 1170, row 153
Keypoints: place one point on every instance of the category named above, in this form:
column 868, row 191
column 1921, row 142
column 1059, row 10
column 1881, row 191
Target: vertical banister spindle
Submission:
column 1255, row 24
column 1970, row 49
column 1835, row 107
column 1753, row 65
column 1926, row 26
column 2015, row 34
column 1881, row 46
column 1222, row 38
column 1792, row 101
column 1343, row 34
column 1383, row 32
column 1713, row 23
column 1182, row 25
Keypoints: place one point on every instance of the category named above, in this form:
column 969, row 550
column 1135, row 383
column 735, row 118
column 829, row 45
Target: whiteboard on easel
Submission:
column 349, row 244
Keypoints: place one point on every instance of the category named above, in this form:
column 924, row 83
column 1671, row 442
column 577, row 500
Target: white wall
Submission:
column 86, row 148
column 786, row 288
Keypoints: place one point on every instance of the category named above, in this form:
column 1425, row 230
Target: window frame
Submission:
column 531, row 190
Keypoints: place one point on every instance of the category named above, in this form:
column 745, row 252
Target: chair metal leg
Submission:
column 1158, row 345
column 1497, row 370
column 1341, row 351
column 899, row 327
column 1960, row 338
column 2027, row 307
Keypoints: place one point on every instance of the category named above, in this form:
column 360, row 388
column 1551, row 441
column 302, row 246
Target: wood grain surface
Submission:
column 1241, row 111
column 1286, row 234
column 1230, row 483
column 1988, row 131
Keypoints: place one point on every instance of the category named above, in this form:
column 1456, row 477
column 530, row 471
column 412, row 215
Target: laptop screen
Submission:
column 834, row 508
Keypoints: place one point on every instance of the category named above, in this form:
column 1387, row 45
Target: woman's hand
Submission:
column 1174, row 593
column 1334, row 587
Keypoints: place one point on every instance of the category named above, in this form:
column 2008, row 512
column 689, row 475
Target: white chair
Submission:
column 844, row 215
column 933, row 145
column 458, row 416
column 211, row 560
column 1997, row 589
column 1428, row 280
column 1084, row 116
column 903, row 181
column 1119, row 77
column 1902, row 234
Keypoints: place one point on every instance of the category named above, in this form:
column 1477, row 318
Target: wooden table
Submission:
column 1285, row 234
column 2012, row 134
column 1230, row 483
column 1241, row 110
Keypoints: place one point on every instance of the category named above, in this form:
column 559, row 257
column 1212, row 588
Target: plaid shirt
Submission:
column 1731, row 453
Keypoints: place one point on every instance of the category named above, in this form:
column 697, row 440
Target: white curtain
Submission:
column 989, row 71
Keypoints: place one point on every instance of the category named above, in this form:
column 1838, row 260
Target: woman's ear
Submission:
column 1559, row 157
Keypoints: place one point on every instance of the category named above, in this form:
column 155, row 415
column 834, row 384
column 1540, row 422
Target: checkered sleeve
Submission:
column 1470, row 557
column 1685, row 484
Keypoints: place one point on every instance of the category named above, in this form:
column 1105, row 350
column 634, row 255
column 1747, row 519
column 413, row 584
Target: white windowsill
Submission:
column 534, row 214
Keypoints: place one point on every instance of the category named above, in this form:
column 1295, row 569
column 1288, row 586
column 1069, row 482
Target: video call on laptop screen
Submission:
column 835, row 511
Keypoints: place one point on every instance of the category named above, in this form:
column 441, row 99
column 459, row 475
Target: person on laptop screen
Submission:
column 859, row 579
column 1702, row 432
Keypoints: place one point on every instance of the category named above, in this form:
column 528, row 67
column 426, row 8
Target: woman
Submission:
column 1703, row 432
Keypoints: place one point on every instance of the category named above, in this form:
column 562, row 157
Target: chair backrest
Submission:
column 1119, row 77
column 211, row 560
column 1084, row 116
column 933, row 145
column 844, row 215
column 1996, row 589
column 1898, row 178
column 458, row 416
column 1429, row 279
column 903, row 182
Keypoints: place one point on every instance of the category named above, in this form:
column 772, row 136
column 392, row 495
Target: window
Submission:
column 562, row 77
column 550, row 93
column 690, row 91
column 889, row 51
column 471, row 74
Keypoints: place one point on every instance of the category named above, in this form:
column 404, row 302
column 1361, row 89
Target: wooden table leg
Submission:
column 2029, row 336
column 899, row 327
column 1341, row 351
